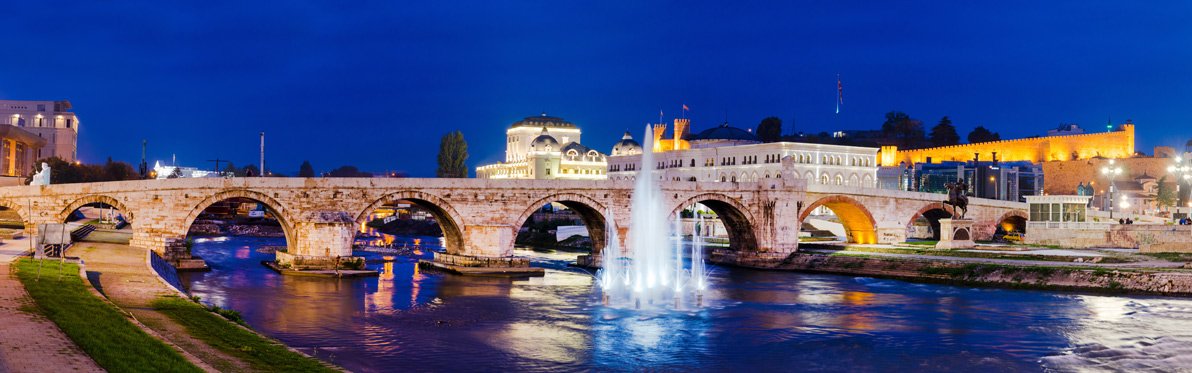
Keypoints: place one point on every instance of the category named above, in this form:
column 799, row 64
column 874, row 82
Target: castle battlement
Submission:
column 1116, row 144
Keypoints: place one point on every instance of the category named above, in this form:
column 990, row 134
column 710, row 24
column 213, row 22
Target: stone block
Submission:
column 955, row 234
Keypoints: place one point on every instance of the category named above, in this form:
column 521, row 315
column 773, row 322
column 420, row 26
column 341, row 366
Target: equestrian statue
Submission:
column 958, row 195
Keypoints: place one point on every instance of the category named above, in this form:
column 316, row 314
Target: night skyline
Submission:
column 380, row 84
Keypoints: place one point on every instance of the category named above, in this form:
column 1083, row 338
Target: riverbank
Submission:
column 121, row 274
column 1020, row 275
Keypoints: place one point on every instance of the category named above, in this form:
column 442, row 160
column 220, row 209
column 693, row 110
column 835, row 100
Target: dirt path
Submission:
column 120, row 273
column 28, row 341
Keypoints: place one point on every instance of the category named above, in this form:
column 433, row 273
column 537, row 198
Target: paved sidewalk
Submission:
column 29, row 342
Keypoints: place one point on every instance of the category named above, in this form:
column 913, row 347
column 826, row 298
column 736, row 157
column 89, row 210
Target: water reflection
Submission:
column 410, row 319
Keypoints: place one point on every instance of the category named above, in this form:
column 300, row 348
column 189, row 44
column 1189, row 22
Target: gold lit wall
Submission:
column 1116, row 144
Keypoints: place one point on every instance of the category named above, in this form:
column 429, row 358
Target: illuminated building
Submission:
column 544, row 147
column 729, row 154
column 1009, row 181
column 49, row 120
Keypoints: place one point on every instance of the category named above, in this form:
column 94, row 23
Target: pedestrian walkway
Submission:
column 28, row 341
column 121, row 273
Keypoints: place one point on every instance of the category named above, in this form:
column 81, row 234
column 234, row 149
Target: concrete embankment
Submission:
column 1138, row 281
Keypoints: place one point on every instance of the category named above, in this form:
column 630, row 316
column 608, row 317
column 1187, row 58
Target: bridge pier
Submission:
column 890, row 233
column 321, row 239
column 488, row 250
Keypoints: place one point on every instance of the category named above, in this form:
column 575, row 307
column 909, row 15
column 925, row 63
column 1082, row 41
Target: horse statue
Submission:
column 958, row 195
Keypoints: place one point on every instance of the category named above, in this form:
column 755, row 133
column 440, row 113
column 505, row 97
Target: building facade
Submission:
column 728, row 154
column 50, row 120
column 545, row 147
column 1007, row 181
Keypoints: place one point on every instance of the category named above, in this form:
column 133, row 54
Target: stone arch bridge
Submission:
column 480, row 217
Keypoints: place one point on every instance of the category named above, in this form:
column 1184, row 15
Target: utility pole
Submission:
column 144, row 166
column 262, row 153
column 216, row 160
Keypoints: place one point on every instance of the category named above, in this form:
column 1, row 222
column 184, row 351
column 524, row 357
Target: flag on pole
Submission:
column 839, row 94
column 685, row 107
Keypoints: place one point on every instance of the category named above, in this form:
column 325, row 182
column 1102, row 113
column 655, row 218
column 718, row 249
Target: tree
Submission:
column 770, row 130
column 1166, row 193
column 348, row 171
column 63, row 172
column 117, row 171
column 981, row 134
column 250, row 170
column 908, row 132
column 305, row 170
column 944, row 134
column 231, row 170
column 453, row 153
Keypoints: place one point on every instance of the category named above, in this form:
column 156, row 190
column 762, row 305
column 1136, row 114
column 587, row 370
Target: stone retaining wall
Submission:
column 474, row 261
column 1140, row 281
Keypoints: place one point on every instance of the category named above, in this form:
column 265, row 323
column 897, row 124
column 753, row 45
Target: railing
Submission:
column 165, row 270
column 1066, row 225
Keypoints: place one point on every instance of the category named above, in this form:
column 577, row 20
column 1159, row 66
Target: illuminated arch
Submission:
column 590, row 211
column 448, row 219
column 1012, row 221
column 858, row 222
column 733, row 214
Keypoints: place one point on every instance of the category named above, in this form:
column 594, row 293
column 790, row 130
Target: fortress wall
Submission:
column 1062, row 177
column 1117, row 144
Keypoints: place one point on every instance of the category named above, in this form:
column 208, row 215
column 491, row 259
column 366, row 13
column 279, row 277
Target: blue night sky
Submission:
column 376, row 85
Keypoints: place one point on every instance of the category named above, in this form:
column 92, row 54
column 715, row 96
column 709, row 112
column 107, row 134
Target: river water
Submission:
column 414, row 320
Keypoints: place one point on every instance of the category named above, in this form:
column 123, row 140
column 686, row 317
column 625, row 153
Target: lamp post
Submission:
column 1182, row 172
column 1111, row 172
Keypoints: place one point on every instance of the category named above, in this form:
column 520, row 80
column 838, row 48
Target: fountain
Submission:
column 648, row 270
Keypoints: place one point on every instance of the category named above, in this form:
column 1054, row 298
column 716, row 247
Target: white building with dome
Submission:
column 729, row 154
column 545, row 147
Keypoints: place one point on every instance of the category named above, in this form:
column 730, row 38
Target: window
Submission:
column 41, row 107
column 69, row 122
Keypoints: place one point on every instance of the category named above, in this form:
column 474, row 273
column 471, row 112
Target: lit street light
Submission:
column 1111, row 172
column 1182, row 172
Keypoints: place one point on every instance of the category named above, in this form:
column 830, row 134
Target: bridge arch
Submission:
column 932, row 212
column 21, row 212
column 284, row 217
column 129, row 215
column 858, row 222
column 733, row 214
column 1011, row 221
column 590, row 211
column 449, row 220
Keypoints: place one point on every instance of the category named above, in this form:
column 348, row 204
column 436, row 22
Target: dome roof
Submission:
column 724, row 132
column 627, row 146
column 543, row 121
column 544, row 140
column 1189, row 143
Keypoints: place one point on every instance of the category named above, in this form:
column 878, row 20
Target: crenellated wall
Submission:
column 1116, row 144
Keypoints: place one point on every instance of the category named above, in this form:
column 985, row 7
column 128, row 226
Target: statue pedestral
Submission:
column 955, row 234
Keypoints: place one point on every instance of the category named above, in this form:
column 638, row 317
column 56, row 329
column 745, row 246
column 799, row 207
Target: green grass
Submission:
column 1171, row 257
column 262, row 354
column 97, row 327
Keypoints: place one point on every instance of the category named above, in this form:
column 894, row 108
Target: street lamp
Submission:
column 1182, row 172
column 1111, row 172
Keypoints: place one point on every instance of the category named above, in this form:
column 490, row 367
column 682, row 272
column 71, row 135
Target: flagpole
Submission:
column 839, row 98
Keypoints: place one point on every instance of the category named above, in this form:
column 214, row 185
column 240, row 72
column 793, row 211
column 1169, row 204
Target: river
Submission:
column 414, row 320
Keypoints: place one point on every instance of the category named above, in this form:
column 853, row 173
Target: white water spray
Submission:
column 648, row 269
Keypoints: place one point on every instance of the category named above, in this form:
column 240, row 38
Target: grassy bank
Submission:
column 962, row 253
column 263, row 354
column 97, row 327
